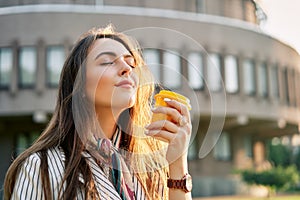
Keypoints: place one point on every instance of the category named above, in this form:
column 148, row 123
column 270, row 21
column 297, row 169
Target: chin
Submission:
column 130, row 103
column 123, row 103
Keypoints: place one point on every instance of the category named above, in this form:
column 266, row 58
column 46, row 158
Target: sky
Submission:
column 283, row 20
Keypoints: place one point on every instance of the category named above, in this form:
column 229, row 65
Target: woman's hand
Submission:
column 176, row 131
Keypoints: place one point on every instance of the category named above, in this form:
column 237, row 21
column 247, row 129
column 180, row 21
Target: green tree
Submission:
column 279, row 155
column 277, row 178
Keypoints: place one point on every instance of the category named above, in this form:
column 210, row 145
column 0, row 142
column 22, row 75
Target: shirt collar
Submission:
column 116, row 137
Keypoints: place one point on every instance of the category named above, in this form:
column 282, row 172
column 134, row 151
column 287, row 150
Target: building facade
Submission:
column 244, row 84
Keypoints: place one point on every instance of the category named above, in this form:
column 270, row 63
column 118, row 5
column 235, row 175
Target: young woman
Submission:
column 100, row 142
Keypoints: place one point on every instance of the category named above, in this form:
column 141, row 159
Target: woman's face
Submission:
column 110, row 78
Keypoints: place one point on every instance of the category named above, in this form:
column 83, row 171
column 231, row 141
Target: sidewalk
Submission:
column 220, row 198
column 243, row 197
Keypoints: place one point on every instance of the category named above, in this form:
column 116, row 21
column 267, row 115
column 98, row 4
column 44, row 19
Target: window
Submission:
column 27, row 66
column 21, row 143
column 297, row 88
column 24, row 140
column 249, row 77
column 55, row 60
column 292, row 86
column 231, row 74
column 263, row 80
column 286, row 89
column 248, row 146
column 153, row 62
column 222, row 149
column 171, row 70
column 192, row 151
column 200, row 6
column 274, row 92
column 214, row 78
column 195, row 70
column 6, row 63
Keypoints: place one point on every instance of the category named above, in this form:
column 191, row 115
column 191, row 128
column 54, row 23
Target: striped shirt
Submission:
column 29, row 183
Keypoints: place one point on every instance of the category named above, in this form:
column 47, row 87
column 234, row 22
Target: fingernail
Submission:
column 146, row 127
column 148, row 133
column 167, row 99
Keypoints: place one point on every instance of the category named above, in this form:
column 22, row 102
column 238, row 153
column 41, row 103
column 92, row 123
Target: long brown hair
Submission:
column 63, row 129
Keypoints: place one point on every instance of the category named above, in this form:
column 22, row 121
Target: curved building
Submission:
column 244, row 83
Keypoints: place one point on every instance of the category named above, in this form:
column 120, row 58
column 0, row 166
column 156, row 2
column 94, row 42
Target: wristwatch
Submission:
column 185, row 183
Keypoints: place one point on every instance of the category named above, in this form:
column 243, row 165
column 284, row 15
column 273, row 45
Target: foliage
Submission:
column 278, row 178
column 279, row 154
column 297, row 159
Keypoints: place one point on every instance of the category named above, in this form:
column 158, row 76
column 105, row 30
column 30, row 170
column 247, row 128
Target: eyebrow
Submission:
column 112, row 54
column 106, row 53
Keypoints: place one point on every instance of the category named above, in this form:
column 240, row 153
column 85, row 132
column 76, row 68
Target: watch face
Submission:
column 189, row 183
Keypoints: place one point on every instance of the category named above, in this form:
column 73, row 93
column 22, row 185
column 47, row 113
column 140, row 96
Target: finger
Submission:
column 172, row 112
column 180, row 107
column 176, row 117
column 162, row 135
column 182, row 121
column 163, row 125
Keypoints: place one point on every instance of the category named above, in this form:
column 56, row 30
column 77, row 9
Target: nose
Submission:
column 125, row 68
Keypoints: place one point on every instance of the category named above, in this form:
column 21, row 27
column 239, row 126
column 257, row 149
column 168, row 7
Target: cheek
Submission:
column 135, row 78
column 104, row 87
column 95, row 83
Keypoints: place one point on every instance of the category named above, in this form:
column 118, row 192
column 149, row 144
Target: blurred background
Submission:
column 245, row 77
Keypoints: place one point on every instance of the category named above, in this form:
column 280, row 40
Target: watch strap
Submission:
column 179, row 183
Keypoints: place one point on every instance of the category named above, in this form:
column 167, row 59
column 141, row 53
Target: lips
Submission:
column 125, row 84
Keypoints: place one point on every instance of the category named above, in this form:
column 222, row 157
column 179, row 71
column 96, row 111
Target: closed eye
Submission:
column 107, row 59
column 107, row 63
column 130, row 61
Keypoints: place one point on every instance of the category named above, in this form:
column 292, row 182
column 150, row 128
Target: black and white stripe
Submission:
column 29, row 183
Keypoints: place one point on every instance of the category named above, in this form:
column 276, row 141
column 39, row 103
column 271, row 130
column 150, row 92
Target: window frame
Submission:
column 4, row 86
column 219, row 149
column 263, row 94
column 157, row 76
column 286, row 87
column 21, row 84
column 165, row 83
column 209, row 64
column 274, row 73
column 237, row 90
column 48, row 83
column 199, row 70
column 254, row 80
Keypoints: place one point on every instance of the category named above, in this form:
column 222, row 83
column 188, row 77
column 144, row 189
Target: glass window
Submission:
column 286, row 90
column 249, row 77
column 153, row 62
column 24, row 140
column 297, row 88
column 6, row 63
column 193, row 150
column 171, row 70
column 231, row 74
column 263, row 79
column 195, row 70
column 222, row 149
column 292, row 86
column 214, row 78
column 248, row 146
column 55, row 60
column 274, row 82
column 200, row 6
column 27, row 66
column 22, row 143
